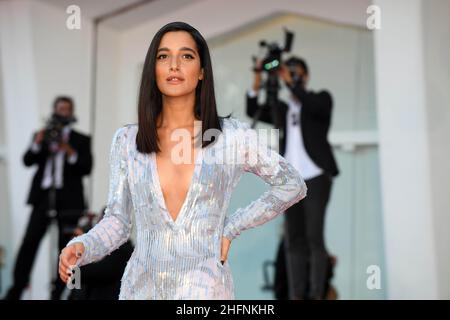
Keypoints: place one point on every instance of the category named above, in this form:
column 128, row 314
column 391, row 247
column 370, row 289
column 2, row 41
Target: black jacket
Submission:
column 315, row 122
column 71, row 196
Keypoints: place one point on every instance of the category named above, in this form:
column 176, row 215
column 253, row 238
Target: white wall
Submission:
column 20, row 98
column 5, row 234
column 411, row 51
column 436, row 37
column 106, row 111
column 62, row 61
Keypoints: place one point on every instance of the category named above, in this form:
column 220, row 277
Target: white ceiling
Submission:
column 95, row 8
column 346, row 11
column 92, row 8
column 152, row 10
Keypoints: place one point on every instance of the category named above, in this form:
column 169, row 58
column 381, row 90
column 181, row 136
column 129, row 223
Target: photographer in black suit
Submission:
column 304, row 123
column 63, row 156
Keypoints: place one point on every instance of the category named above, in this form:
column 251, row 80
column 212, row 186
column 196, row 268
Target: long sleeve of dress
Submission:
column 115, row 227
column 287, row 187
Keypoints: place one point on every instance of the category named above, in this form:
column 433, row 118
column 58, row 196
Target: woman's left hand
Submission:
column 225, row 248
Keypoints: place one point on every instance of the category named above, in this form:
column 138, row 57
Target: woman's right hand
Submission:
column 68, row 258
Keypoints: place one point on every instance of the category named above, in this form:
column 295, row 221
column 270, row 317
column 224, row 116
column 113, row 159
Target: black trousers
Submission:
column 36, row 229
column 306, row 254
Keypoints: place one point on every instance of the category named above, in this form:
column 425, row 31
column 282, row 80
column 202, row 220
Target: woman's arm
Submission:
column 115, row 227
column 287, row 187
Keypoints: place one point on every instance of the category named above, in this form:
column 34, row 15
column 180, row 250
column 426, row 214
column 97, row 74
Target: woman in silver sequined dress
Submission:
column 179, row 207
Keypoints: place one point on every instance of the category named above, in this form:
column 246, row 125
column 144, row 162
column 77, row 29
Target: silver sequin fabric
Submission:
column 180, row 259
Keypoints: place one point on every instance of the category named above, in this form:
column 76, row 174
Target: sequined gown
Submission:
column 180, row 259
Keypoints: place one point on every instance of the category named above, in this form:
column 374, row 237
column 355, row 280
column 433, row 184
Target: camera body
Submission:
column 273, row 59
column 54, row 127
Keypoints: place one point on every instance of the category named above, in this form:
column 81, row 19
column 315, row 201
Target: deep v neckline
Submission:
column 197, row 170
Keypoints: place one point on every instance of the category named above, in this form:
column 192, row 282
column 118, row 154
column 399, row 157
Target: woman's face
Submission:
column 178, row 68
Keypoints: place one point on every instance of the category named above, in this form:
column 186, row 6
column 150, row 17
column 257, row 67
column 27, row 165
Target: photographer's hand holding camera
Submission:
column 63, row 157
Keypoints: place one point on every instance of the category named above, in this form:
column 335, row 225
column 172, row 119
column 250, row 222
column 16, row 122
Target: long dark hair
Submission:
column 150, row 97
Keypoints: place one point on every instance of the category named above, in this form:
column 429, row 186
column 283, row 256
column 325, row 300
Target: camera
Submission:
column 54, row 127
column 270, row 64
column 272, row 61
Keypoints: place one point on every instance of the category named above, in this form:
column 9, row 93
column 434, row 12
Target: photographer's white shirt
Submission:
column 295, row 151
column 59, row 163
